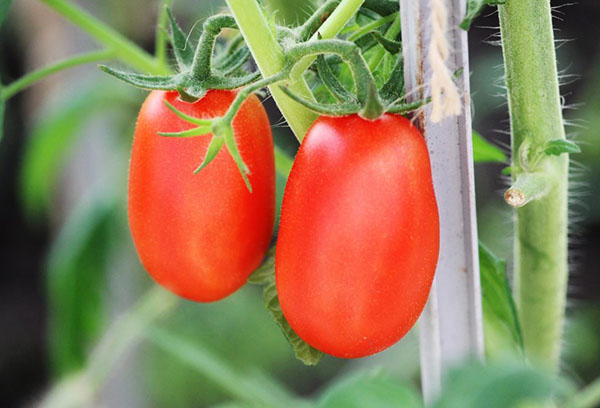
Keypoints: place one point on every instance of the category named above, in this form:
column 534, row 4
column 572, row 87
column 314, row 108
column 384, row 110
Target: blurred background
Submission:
column 69, row 270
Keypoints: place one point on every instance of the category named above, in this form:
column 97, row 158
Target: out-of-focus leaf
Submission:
column 77, row 268
column 4, row 6
column 485, row 152
column 369, row 390
column 474, row 9
column 253, row 388
column 265, row 276
column 2, row 109
column 499, row 385
column 51, row 140
column 503, row 331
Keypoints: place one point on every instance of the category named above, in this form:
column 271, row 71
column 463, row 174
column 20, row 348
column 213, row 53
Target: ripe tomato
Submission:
column 359, row 236
column 200, row 235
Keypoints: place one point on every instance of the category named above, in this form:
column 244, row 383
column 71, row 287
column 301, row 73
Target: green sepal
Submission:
column 474, row 8
column 152, row 82
column 328, row 110
column 556, row 147
column 214, row 147
column 187, row 118
column 220, row 128
column 406, row 107
column 198, row 131
column 333, row 85
column 507, row 171
column 265, row 276
column 184, row 52
column 391, row 46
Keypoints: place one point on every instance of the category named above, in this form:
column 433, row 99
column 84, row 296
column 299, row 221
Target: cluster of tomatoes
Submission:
column 359, row 235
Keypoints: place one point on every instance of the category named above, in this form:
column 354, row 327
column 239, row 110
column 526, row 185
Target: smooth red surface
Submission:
column 359, row 236
column 200, row 235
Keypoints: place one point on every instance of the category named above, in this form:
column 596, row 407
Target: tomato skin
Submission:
column 358, row 240
column 200, row 235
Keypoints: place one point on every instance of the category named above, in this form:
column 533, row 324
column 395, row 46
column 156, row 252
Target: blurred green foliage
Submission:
column 205, row 354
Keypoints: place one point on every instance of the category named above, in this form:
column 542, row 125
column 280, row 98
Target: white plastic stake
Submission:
column 451, row 325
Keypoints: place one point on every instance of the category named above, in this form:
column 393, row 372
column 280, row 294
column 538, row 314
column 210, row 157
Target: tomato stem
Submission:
column 270, row 57
column 541, row 269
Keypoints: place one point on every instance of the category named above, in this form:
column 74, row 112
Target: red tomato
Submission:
column 200, row 235
column 359, row 236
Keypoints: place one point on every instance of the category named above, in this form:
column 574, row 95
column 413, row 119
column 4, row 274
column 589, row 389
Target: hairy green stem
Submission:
column 541, row 226
column 125, row 50
column 270, row 56
column 31, row 78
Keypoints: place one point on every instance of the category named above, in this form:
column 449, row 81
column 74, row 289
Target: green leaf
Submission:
column 265, row 276
column 474, row 9
column 4, row 6
column 503, row 331
column 485, row 152
column 77, row 269
column 2, row 110
column 391, row 46
column 557, row 147
column 369, row 390
column 499, row 385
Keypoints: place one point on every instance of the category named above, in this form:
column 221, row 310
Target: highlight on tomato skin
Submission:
column 358, row 241
column 200, row 235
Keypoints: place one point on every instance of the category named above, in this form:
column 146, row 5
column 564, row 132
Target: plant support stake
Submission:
column 451, row 325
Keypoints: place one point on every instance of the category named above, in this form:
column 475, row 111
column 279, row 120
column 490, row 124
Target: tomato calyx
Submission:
column 198, row 71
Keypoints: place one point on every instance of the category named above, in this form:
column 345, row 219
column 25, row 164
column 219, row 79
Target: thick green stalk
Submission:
column 541, row 226
column 270, row 57
column 125, row 50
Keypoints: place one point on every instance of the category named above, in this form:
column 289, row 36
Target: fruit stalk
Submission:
column 540, row 251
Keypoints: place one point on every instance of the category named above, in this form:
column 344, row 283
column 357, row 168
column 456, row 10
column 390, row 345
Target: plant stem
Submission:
column 125, row 50
column 29, row 79
column 160, row 47
column 541, row 226
column 270, row 56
